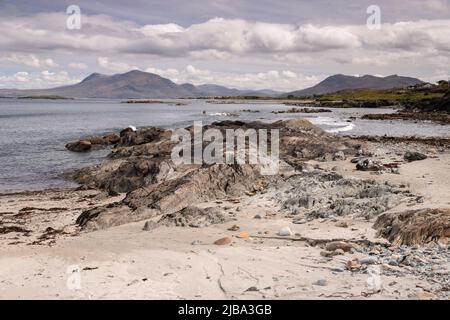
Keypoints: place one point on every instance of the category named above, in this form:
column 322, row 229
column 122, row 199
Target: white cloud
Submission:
column 229, row 51
column 28, row 60
column 50, row 63
column 21, row 76
column 441, row 6
column 114, row 66
column 78, row 65
column 285, row 80
column 216, row 36
column 43, row 79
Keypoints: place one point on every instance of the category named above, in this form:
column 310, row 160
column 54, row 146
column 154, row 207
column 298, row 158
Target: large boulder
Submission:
column 93, row 142
column 368, row 164
column 414, row 156
column 79, row 146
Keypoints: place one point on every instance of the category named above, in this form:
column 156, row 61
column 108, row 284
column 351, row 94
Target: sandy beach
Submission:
column 50, row 257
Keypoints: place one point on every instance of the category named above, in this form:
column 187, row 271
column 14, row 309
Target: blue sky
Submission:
column 284, row 45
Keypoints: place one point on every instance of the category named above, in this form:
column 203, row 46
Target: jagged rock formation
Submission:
column 324, row 195
column 141, row 165
column 414, row 227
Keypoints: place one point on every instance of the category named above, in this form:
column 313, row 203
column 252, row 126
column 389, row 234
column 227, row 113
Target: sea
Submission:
column 33, row 133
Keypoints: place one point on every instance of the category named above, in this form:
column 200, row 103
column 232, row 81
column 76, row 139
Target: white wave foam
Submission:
column 348, row 127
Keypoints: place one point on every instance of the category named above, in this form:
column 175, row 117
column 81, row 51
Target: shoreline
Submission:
column 114, row 254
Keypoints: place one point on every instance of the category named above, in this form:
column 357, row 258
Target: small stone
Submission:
column 299, row 221
column 243, row 235
column 223, row 241
column 341, row 224
column 329, row 254
column 285, row 232
column 150, row 225
column 320, row 282
column 334, row 245
column 391, row 262
column 339, row 156
column 353, row 264
column 369, row 260
column 196, row 242
column 252, row 289
column 257, row 216
column 234, row 228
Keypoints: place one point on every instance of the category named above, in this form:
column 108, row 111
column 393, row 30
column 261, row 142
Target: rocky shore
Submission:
column 435, row 110
column 347, row 217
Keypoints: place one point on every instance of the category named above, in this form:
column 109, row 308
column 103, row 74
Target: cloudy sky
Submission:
column 282, row 45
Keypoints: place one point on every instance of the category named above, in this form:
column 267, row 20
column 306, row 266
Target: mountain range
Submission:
column 140, row 85
column 341, row 82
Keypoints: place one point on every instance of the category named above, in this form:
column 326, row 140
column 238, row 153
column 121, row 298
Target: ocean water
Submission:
column 33, row 133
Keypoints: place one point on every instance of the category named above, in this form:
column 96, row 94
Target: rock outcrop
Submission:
column 93, row 143
column 326, row 195
column 415, row 227
column 141, row 165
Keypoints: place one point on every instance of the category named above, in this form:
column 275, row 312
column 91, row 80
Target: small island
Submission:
column 45, row 97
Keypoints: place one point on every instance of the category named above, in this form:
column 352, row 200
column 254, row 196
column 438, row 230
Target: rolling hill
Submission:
column 342, row 82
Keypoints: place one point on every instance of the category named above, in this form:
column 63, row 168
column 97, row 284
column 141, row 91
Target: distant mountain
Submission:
column 134, row 85
column 341, row 82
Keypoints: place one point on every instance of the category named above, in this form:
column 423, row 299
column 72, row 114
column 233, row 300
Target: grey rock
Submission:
column 414, row 156
column 299, row 221
column 150, row 225
column 369, row 260
column 339, row 156
column 369, row 164
column 320, row 282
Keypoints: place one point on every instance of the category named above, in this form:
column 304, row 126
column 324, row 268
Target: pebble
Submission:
column 320, row 282
column 391, row 262
column 335, row 245
column 257, row 216
column 243, row 235
column 299, row 221
column 223, row 241
column 285, row 232
column 369, row 260
column 149, row 225
column 341, row 224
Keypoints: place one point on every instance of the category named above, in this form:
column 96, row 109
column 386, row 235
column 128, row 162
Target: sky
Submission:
column 280, row 45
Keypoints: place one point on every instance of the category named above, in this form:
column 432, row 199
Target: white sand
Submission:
column 163, row 264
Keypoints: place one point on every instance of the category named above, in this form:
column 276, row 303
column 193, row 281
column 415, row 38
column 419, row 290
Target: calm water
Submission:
column 33, row 133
